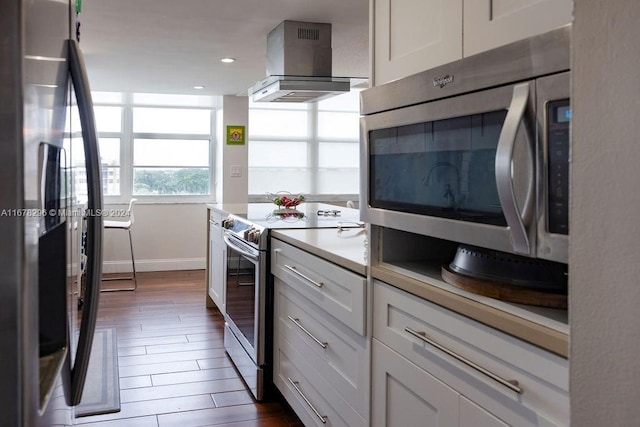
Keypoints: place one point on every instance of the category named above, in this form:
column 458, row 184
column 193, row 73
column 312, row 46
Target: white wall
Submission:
column 232, row 189
column 165, row 237
column 604, row 254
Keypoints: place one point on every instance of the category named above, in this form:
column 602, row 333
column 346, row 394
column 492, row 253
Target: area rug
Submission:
column 101, row 393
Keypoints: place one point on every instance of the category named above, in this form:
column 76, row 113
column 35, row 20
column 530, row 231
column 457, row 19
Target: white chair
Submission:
column 123, row 225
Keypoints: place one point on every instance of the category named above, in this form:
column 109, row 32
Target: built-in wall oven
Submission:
column 476, row 151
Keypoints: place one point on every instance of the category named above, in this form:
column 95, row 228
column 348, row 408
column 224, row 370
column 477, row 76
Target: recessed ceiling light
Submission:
column 227, row 60
column 198, row 87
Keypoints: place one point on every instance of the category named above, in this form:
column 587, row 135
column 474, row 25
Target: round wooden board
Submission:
column 503, row 291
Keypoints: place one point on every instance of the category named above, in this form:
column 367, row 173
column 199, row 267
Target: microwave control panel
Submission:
column 558, row 146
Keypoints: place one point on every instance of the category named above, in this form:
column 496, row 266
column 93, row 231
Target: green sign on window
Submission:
column 235, row 135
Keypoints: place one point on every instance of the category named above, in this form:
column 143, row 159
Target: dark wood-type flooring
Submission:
column 173, row 367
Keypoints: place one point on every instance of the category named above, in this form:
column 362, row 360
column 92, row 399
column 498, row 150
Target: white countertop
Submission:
column 347, row 248
column 307, row 215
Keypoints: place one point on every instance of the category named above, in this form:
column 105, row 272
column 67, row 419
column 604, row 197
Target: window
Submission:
column 170, row 166
column 109, row 126
column 110, row 165
column 171, row 151
column 153, row 145
column 171, row 121
column 108, row 122
column 305, row 148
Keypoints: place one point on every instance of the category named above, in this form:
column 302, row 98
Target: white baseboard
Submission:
column 155, row 265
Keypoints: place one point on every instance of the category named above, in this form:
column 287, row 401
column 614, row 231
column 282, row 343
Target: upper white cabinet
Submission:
column 415, row 35
column 410, row 36
column 493, row 23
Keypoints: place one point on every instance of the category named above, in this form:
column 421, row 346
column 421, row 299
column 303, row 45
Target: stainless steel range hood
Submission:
column 299, row 62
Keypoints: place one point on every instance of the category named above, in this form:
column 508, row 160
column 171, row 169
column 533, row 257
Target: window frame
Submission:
column 313, row 154
column 127, row 137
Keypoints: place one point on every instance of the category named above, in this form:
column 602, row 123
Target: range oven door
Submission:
column 459, row 168
column 245, row 294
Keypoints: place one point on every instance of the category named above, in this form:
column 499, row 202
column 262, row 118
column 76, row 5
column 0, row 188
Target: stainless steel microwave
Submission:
column 476, row 151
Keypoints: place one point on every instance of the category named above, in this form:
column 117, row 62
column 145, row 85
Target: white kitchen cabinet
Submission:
column 338, row 291
column 505, row 380
column 217, row 261
column 410, row 36
column 406, row 395
column 414, row 35
column 321, row 350
column 492, row 23
column 471, row 415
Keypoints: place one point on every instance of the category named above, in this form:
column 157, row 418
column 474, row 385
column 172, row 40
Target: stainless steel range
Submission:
column 248, row 283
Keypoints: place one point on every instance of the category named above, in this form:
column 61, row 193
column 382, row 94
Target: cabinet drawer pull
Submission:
column 322, row 418
column 510, row 384
column 297, row 323
column 293, row 269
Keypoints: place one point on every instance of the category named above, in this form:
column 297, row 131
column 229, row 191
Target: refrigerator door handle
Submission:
column 94, row 220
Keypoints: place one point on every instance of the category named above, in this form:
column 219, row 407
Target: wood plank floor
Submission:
column 172, row 364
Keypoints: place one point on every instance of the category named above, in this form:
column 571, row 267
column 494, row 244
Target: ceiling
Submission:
column 169, row 46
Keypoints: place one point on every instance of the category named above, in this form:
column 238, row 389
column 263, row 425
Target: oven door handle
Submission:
column 242, row 252
column 504, row 161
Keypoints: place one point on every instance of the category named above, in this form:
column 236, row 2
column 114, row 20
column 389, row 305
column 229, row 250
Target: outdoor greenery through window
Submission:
column 310, row 148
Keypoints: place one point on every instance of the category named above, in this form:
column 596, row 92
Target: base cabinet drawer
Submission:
column 406, row 395
column 313, row 400
column 338, row 291
column 518, row 383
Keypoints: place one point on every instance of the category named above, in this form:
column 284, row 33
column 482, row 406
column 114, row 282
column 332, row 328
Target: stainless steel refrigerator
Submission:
column 45, row 337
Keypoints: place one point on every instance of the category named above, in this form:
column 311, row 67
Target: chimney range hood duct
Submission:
column 299, row 65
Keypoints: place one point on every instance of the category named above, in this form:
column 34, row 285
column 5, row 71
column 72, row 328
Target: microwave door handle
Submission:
column 504, row 159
